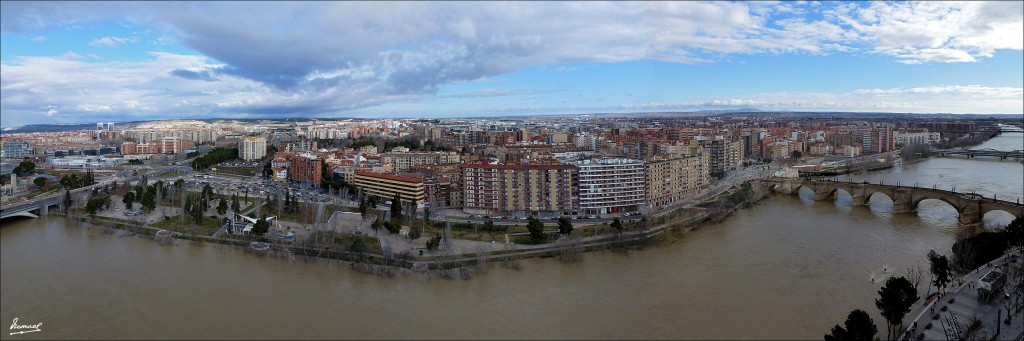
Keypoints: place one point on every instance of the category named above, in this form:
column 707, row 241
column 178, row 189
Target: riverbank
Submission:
column 635, row 236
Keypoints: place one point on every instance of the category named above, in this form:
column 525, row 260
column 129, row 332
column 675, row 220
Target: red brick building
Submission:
column 305, row 168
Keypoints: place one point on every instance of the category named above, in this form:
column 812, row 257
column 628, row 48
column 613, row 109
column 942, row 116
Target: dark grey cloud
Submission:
column 204, row 75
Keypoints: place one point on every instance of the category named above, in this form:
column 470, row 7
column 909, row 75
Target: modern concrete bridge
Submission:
column 971, row 207
column 971, row 153
column 31, row 209
column 35, row 207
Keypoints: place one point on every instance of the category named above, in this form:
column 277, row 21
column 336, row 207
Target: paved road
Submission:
column 965, row 306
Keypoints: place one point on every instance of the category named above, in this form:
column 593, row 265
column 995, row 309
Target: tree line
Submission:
column 216, row 155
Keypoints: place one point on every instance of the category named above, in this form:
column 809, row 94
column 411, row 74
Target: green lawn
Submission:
column 44, row 190
column 342, row 241
column 209, row 226
column 242, row 171
column 61, row 173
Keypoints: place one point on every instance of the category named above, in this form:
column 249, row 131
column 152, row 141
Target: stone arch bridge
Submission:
column 971, row 207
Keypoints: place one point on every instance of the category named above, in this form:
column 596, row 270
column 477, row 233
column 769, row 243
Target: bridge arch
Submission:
column 867, row 197
column 939, row 198
column 834, row 194
column 996, row 218
column 801, row 187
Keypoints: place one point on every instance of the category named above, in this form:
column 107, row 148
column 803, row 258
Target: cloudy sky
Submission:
column 121, row 61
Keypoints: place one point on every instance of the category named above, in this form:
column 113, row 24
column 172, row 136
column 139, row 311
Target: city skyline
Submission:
column 131, row 61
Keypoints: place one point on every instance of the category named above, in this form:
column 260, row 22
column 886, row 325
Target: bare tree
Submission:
column 570, row 249
column 915, row 274
column 1014, row 288
column 511, row 260
column 482, row 253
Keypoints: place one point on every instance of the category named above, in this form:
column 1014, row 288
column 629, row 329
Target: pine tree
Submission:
column 396, row 208
column 67, row 199
column 187, row 207
column 288, row 202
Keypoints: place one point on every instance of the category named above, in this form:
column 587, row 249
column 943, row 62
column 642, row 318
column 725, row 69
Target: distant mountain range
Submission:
column 36, row 128
column 33, row 128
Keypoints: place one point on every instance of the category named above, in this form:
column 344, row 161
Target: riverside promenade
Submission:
column 965, row 306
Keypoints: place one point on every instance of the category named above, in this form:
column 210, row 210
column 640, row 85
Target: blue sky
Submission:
column 122, row 61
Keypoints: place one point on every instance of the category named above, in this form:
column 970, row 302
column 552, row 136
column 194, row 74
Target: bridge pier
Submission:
column 857, row 193
column 44, row 209
column 859, row 200
column 784, row 188
column 902, row 200
column 822, row 194
column 970, row 213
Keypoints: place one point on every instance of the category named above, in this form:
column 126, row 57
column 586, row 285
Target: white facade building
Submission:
column 611, row 185
column 252, row 148
column 905, row 138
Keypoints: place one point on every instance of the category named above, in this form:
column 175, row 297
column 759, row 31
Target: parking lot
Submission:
column 239, row 164
column 253, row 188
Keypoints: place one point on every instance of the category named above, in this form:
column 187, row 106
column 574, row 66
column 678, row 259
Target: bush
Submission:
column 434, row 242
column 974, row 251
column 393, row 226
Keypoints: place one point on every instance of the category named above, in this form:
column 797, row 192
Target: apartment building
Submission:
column 610, row 185
column 198, row 136
column 252, row 148
column 174, row 145
column 519, row 190
column 170, row 145
column 725, row 155
column 301, row 146
column 305, row 168
column 16, row 149
column 821, row 148
column 401, row 162
column 672, row 178
column 903, row 138
column 386, row 186
column 442, row 184
column 878, row 139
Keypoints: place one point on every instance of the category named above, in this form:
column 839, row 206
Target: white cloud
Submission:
column 936, row 31
column 928, row 99
column 39, row 39
column 112, row 41
column 71, row 55
column 346, row 55
column 497, row 92
column 1008, row 92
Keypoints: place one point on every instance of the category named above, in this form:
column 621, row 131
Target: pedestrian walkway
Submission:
column 962, row 302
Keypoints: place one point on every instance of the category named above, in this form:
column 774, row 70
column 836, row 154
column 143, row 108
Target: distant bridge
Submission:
column 970, row 153
column 31, row 209
column 971, row 207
